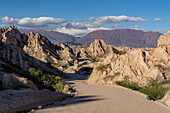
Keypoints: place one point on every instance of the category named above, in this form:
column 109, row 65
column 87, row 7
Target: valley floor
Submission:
column 103, row 99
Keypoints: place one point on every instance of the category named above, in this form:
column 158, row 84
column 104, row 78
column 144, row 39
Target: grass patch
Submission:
column 95, row 59
column 88, row 77
column 154, row 91
column 75, row 70
column 79, row 65
column 103, row 67
column 133, row 86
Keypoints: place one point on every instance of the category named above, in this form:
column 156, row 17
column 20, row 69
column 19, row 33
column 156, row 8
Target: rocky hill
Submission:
column 51, row 35
column 122, row 37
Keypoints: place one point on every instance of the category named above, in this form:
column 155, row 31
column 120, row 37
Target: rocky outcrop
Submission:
column 137, row 65
column 67, row 52
column 14, row 101
column 12, row 36
column 164, row 40
column 98, row 47
column 40, row 47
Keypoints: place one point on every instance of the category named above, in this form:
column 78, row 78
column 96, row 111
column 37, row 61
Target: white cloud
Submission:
column 32, row 22
column 73, row 31
column 81, row 25
column 7, row 20
column 136, row 26
column 78, row 32
column 158, row 19
column 113, row 19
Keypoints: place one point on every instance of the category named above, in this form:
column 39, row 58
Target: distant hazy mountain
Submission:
column 123, row 37
column 118, row 37
column 51, row 35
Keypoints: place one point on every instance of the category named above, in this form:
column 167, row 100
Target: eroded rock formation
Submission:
column 138, row 65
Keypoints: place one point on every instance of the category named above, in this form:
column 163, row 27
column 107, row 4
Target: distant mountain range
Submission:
column 118, row 37
column 51, row 35
column 123, row 37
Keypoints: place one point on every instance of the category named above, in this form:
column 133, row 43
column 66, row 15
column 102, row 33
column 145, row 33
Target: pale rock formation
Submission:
column 164, row 40
column 98, row 47
column 41, row 48
column 137, row 65
column 67, row 52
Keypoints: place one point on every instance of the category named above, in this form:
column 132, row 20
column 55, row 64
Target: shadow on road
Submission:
column 76, row 100
column 75, row 76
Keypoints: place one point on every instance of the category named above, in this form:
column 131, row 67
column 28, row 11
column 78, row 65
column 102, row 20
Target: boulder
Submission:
column 11, row 81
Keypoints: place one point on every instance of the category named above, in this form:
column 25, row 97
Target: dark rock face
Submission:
column 52, row 35
column 123, row 37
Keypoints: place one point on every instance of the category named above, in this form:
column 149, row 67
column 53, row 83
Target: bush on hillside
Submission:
column 154, row 91
column 49, row 81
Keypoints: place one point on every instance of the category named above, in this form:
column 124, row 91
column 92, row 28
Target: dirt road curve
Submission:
column 103, row 99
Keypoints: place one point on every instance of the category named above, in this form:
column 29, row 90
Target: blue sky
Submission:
column 78, row 17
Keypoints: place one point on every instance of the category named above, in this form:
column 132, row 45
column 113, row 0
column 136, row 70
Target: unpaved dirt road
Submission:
column 103, row 99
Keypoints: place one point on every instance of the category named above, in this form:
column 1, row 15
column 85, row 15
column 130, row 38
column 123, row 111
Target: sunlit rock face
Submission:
column 140, row 65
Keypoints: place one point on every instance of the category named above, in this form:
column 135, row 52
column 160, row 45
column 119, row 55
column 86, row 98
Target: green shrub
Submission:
column 88, row 77
column 59, row 86
column 45, row 80
column 103, row 67
column 133, row 86
column 79, row 65
column 75, row 70
column 154, row 91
